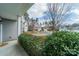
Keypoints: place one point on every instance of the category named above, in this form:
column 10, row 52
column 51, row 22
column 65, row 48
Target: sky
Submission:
column 37, row 11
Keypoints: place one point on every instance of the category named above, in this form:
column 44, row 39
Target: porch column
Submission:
column 19, row 25
column 1, row 34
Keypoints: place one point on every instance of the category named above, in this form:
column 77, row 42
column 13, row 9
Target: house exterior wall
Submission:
column 19, row 26
column 9, row 30
column 22, row 25
column 0, row 31
column 12, row 29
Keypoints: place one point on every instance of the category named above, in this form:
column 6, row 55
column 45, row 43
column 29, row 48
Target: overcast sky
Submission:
column 36, row 11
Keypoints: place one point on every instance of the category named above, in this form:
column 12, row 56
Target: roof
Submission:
column 11, row 10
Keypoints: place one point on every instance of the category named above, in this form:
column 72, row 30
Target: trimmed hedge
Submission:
column 60, row 43
column 32, row 44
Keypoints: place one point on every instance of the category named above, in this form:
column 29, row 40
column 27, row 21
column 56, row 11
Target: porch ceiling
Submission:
column 11, row 10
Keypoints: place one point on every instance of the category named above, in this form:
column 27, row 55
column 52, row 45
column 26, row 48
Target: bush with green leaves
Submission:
column 32, row 44
column 62, row 43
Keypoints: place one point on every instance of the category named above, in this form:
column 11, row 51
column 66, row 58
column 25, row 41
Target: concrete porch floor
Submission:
column 12, row 49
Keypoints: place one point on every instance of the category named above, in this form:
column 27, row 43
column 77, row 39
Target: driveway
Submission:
column 12, row 49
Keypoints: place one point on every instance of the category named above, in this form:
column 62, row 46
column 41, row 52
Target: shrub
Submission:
column 62, row 43
column 32, row 44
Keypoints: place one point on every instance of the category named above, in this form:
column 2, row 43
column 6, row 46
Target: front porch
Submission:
column 10, row 20
column 8, row 30
column 12, row 49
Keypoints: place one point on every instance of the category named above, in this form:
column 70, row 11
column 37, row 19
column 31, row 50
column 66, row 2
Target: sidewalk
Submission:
column 12, row 49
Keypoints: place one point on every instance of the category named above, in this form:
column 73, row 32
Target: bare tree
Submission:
column 30, row 22
column 57, row 12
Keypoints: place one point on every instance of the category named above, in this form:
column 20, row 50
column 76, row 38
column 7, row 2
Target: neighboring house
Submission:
column 12, row 20
column 44, row 25
column 70, row 27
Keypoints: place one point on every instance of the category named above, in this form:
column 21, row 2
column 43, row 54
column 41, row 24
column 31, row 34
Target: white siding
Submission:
column 9, row 30
column 19, row 26
column 0, row 31
column 22, row 26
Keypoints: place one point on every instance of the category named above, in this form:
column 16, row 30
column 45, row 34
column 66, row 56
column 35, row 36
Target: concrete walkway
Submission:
column 12, row 49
